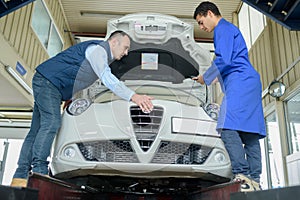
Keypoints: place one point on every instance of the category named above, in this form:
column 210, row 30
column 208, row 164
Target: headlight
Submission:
column 220, row 158
column 212, row 109
column 69, row 152
column 78, row 106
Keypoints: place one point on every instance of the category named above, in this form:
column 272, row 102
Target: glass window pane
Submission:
column 274, row 153
column 264, row 174
column 293, row 110
column 55, row 45
column 13, row 152
column 257, row 23
column 41, row 22
column 244, row 24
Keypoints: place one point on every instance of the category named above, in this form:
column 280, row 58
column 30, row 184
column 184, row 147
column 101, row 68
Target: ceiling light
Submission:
column 114, row 15
column 100, row 15
column 12, row 72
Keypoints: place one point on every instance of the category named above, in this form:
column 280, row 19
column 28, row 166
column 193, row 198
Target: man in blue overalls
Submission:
column 241, row 121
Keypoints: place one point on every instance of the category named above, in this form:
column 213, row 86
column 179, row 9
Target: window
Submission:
column 273, row 148
column 257, row 23
column 9, row 149
column 45, row 29
column 251, row 24
column 244, row 24
column 293, row 118
column 54, row 45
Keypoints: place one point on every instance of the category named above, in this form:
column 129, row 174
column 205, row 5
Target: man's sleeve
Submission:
column 97, row 57
column 224, row 41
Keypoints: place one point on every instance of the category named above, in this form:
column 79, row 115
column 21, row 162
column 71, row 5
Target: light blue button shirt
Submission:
column 97, row 57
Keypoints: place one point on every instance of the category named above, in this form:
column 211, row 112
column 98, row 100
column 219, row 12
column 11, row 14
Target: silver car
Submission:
column 112, row 145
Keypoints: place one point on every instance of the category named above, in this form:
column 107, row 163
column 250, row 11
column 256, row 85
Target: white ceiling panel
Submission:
column 90, row 16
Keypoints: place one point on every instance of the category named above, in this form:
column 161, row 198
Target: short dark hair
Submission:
column 204, row 7
column 118, row 32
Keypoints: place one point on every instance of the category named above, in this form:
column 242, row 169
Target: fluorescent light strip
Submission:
column 12, row 72
column 118, row 15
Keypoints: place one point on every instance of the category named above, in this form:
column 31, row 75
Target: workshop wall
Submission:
column 276, row 49
column 17, row 31
column 273, row 52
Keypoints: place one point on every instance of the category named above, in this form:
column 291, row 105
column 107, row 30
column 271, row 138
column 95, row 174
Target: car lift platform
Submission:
column 46, row 188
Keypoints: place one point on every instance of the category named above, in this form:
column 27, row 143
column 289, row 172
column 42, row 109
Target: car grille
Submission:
column 146, row 125
column 121, row 151
column 108, row 151
column 181, row 153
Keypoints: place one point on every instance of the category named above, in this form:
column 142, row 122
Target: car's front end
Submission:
column 107, row 137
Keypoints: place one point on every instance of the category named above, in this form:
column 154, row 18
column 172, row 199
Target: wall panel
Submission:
column 289, row 56
column 297, row 47
column 295, row 42
column 260, row 57
column 8, row 24
column 282, row 54
column 260, row 53
column 38, row 55
column 278, row 48
column 29, row 45
column 21, row 25
column 269, row 73
column 2, row 23
column 34, row 57
column 16, row 29
column 274, row 47
column 24, row 32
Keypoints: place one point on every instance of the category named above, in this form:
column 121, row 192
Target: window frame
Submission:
column 247, row 31
column 287, row 120
column 274, row 165
column 52, row 26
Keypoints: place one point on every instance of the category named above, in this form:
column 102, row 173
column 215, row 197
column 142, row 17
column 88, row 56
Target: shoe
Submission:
column 256, row 185
column 247, row 184
column 19, row 182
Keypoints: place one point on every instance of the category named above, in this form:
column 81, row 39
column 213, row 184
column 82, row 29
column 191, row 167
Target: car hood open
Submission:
column 162, row 49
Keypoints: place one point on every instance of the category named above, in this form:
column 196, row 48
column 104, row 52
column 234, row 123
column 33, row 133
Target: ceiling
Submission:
column 90, row 17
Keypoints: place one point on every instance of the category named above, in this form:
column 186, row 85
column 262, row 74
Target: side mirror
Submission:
column 276, row 89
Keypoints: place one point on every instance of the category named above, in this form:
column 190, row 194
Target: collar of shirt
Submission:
column 112, row 56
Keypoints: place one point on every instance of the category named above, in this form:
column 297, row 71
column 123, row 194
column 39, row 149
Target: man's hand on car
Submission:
column 144, row 102
column 199, row 79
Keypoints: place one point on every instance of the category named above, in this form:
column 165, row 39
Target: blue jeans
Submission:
column 46, row 120
column 244, row 152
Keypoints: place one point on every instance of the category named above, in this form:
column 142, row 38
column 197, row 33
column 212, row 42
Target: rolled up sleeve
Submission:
column 97, row 57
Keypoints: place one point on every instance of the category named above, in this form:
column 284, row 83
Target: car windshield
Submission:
column 191, row 94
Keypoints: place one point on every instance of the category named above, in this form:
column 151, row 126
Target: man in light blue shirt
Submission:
column 241, row 120
column 56, row 80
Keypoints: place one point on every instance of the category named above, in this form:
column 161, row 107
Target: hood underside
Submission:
column 167, row 62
